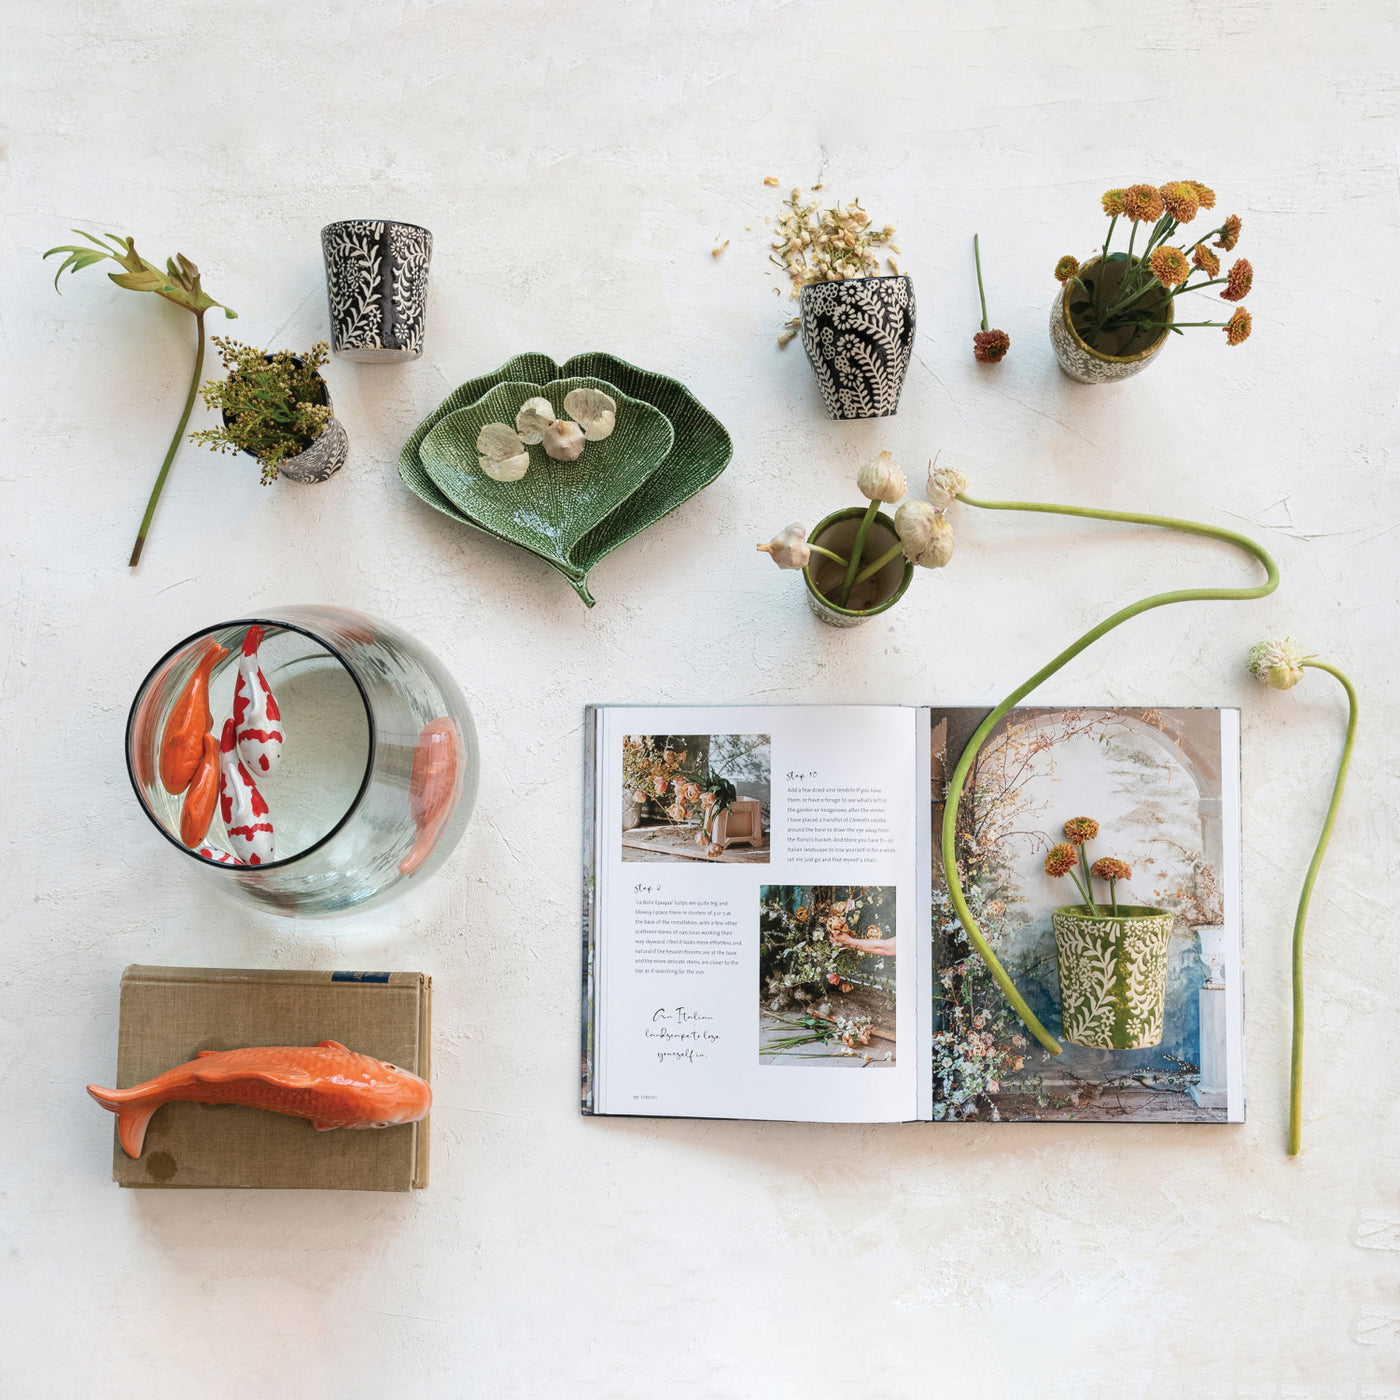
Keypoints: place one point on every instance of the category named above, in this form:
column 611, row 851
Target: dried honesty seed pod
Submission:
column 788, row 549
column 534, row 417
column 945, row 484
column 502, row 455
column 563, row 441
column 593, row 410
column 927, row 538
column 882, row 480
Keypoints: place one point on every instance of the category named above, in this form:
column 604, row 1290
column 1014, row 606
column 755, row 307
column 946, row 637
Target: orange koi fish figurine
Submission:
column 247, row 821
column 255, row 712
column 332, row 1086
column 201, row 796
column 182, row 742
column 434, row 784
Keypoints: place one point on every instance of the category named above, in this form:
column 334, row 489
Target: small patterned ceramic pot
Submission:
column 1113, row 975
column 859, row 336
column 1081, row 361
column 824, row 577
column 377, row 285
column 324, row 457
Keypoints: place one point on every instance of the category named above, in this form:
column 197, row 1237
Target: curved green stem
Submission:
column 969, row 754
column 857, row 549
column 174, row 448
column 1295, row 1092
column 830, row 554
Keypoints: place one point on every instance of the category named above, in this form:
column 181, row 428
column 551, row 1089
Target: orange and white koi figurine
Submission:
column 332, row 1086
column 217, row 854
column 182, row 740
column 247, row 821
column 434, row 784
column 202, row 795
column 255, row 712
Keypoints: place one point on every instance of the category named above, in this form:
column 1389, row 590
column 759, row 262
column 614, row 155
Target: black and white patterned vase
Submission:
column 377, row 285
column 859, row 336
column 324, row 457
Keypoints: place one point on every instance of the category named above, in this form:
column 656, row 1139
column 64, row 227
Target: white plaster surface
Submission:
column 575, row 164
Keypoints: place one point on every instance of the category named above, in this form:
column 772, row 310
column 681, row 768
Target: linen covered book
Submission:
column 766, row 912
column 168, row 1014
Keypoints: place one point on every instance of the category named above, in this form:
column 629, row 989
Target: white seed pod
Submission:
column 1278, row 664
column 563, row 441
column 927, row 538
column 593, row 410
column 945, row 484
column 534, row 417
column 502, row 455
column 882, row 480
column 789, row 549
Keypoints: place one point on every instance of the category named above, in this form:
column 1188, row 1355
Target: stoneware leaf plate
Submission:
column 700, row 452
column 555, row 504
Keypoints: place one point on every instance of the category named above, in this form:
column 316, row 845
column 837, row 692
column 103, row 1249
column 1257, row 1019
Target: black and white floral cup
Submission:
column 859, row 336
column 377, row 285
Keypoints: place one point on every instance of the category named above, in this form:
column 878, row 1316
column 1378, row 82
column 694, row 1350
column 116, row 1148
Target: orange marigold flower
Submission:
column 1143, row 204
column 1078, row 830
column 1207, row 261
column 1113, row 202
column 1204, row 194
column 1238, row 281
column 1107, row 868
column 1169, row 265
column 1060, row 860
column 1067, row 267
column 1181, row 200
column 1229, row 233
column 990, row 346
column 1238, row 327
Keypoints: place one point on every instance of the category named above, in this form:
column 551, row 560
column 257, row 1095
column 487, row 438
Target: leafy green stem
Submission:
column 174, row 447
column 1295, row 1091
column 964, row 766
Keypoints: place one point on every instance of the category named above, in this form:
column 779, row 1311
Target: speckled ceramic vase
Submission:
column 1081, row 361
column 859, row 336
column 377, row 287
column 824, row 576
column 1113, row 975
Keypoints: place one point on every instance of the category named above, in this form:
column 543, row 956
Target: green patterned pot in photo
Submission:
column 1113, row 975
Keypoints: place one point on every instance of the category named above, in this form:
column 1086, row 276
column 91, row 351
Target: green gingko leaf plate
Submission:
column 555, row 504
column 700, row 452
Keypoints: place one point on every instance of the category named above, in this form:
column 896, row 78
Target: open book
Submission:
column 768, row 932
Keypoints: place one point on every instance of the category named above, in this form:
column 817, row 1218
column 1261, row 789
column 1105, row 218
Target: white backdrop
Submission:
column 575, row 164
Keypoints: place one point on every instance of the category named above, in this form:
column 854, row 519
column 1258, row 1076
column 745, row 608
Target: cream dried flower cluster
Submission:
column 501, row 449
column 1278, row 664
column 819, row 243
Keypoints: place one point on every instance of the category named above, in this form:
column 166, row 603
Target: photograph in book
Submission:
column 696, row 798
column 1096, row 852
column 826, row 975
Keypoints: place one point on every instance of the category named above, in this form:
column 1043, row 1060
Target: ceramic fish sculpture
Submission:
column 332, row 1086
column 255, row 712
column 434, row 784
column 247, row 821
column 217, row 854
column 201, row 796
column 182, row 741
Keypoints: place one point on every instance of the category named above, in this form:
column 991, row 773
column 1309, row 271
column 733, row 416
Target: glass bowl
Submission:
column 379, row 765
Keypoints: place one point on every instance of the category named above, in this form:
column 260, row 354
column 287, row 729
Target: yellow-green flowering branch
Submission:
column 179, row 283
column 1280, row 665
column 969, row 755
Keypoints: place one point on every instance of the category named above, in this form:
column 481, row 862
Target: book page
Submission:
column 756, row 872
column 1145, row 991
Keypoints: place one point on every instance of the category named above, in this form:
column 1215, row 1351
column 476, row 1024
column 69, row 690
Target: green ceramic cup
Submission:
column 824, row 576
column 1113, row 975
